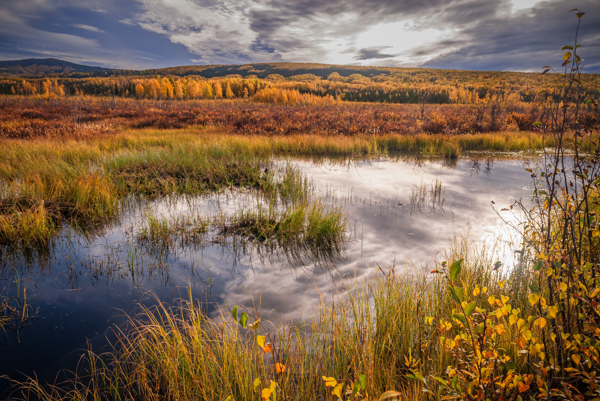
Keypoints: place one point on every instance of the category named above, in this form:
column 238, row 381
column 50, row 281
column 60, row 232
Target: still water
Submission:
column 401, row 212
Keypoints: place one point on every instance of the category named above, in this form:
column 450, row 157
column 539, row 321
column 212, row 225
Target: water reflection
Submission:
column 400, row 212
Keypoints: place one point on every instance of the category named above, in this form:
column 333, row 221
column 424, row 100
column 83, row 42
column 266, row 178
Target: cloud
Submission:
column 462, row 34
column 127, row 21
column 525, row 41
column 88, row 28
column 372, row 53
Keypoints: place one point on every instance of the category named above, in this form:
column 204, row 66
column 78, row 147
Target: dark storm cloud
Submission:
column 372, row 53
column 526, row 41
column 480, row 34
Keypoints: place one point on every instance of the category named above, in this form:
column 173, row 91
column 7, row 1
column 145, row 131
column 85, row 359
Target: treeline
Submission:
column 407, row 87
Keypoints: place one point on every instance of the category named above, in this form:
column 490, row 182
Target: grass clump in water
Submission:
column 165, row 233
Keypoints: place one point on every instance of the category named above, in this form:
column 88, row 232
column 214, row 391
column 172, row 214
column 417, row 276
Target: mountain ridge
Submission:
column 44, row 66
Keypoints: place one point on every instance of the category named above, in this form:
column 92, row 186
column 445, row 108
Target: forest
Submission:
column 353, row 84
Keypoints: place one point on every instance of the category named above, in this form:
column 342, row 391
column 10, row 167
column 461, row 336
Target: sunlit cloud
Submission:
column 88, row 28
column 461, row 34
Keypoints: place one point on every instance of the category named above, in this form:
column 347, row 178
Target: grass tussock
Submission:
column 367, row 327
column 164, row 233
column 83, row 181
column 29, row 227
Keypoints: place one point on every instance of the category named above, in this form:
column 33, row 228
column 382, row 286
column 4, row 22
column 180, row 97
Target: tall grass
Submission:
column 367, row 327
column 83, row 181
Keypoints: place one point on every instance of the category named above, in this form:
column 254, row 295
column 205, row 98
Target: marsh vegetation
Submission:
column 299, row 249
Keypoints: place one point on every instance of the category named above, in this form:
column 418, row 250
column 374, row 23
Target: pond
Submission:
column 400, row 213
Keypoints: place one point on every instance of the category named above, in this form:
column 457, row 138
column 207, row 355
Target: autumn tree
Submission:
column 218, row 88
column 228, row 92
column 139, row 90
column 178, row 90
column 207, row 91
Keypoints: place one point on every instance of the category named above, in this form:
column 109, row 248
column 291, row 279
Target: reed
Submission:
column 163, row 233
column 369, row 326
column 83, row 181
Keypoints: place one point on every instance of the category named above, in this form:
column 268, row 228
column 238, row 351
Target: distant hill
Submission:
column 64, row 69
column 46, row 66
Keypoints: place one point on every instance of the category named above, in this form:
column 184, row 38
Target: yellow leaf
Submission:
column 533, row 298
column 329, row 381
column 552, row 311
column 260, row 340
column 492, row 300
column 576, row 358
column 520, row 323
column 540, row 322
column 265, row 394
column 543, row 302
column 484, row 290
column 279, row 368
column 512, row 319
column 563, row 287
column 504, row 299
column 476, row 291
column 501, row 283
column 256, row 384
column 500, row 329
column 338, row 390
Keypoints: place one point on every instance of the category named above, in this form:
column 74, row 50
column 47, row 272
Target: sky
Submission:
column 500, row 35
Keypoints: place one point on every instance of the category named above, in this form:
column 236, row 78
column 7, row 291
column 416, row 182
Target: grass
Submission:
column 164, row 233
column 83, row 181
column 367, row 328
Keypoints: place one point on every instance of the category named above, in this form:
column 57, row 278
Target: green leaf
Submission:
column 537, row 123
column 470, row 308
column 538, row 265
column 575, row 9
column 454, row 382
column 243, row 319
column 362, row 379
column 461, row 317
column 455, row 269
column 480, row 328
column 389, row 394
column 579, row 15
column 234, row 313
column 360, row 384
column 457, row 293
column 567, row 47
column 442, row 381
column 533, row 288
